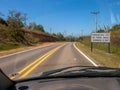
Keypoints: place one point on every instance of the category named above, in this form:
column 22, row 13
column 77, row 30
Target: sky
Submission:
column 70, row 17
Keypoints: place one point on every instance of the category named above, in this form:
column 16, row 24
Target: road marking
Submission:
column 21, row 71
column 29, row 68
column 35, row 66
column 85, row 56
column 12, row 77
column 40, row 61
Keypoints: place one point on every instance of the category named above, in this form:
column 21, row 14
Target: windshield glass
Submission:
column 42, row 35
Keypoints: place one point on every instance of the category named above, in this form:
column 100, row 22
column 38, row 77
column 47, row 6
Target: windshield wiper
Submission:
column 83, row 71
column 75, row 72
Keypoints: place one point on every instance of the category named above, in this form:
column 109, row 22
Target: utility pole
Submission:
column 96, row 20
column 82, row 34
column 50, row 30
column 25, row 19
column 1, row 14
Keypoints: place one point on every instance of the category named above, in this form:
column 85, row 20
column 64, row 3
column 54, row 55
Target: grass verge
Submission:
column 8, row 47
column 102, row 57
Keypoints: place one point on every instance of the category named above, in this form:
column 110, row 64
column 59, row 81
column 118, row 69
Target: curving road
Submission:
column 43, row 59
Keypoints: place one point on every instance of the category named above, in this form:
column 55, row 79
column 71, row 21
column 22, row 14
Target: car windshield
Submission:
column 42, row 35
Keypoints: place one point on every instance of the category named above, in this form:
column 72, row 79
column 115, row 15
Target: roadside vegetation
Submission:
column 15, row 33
column 99, row 53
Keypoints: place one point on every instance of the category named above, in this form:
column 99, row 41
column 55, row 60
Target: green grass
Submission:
column 114, row 49
column 8, row 47
column 101, row 56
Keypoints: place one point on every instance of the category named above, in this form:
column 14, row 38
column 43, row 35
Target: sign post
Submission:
column 91, row 46
column 108, row 47
column 100, row 37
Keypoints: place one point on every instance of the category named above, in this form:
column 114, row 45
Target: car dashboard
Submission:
column 85, row 83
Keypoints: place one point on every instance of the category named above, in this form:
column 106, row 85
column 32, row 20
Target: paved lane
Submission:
column 43, row 59
column 64, row 57
column 14, row 63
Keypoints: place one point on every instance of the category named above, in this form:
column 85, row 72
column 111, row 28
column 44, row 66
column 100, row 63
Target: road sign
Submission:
column 100, row 37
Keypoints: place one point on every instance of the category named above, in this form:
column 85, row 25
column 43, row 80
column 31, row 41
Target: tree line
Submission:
column 12, row 28
column 12, row 25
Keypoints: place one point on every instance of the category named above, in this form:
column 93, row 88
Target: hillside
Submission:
column 115, row 40
column 15, row 33
column 22, row 37
column 39, row 36
column 100, row 50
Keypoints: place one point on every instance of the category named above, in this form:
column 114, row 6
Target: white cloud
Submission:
column 113, row 18
column 118, row 18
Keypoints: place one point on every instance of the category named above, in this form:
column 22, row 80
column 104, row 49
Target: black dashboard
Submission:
column 61, row 83
column 100, row 83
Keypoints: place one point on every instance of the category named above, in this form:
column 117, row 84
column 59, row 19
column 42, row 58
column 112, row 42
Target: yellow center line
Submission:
column 33, row 67
column 36, row 63
column 30, row 65
column 12, row 77
column 21, row 71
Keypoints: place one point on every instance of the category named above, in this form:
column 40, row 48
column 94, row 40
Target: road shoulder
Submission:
column 101, row 57
column 23, row 49
column 86, row 56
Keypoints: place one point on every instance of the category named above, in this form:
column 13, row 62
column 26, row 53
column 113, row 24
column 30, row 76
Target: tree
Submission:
column 116, row 27
column 16, row 19
column 15, row 22
column 60, row 36
column 34, row 26
column 3, row 22
column 39, row 28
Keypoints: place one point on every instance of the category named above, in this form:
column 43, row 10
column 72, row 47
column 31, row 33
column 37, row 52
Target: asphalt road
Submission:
column 43, row 59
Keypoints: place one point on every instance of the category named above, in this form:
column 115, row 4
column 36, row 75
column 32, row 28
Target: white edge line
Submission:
column 85, row 56
column 24, row 51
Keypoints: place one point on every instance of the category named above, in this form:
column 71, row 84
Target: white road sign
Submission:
column 100, row 37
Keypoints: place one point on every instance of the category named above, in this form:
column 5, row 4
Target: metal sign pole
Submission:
column 91, row 46
column 108, row 47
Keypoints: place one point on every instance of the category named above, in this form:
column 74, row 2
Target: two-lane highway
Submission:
column 15, row 62
column 43, row 59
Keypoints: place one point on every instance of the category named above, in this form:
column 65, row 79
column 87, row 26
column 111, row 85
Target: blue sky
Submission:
column 66, row 16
